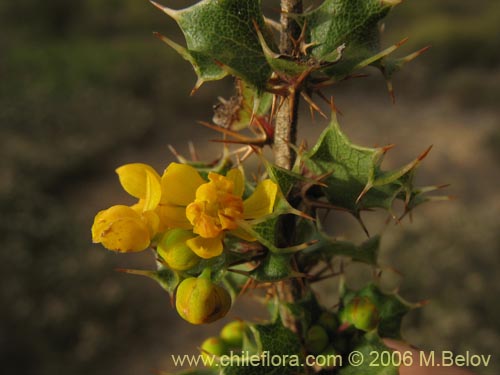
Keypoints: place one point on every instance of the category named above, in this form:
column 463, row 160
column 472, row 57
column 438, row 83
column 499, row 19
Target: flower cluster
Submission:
column 184, row 218
column 181, row 199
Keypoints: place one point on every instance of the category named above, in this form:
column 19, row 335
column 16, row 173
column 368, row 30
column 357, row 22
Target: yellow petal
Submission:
column 238, row 179
column 134, row 178
column 153, row 191
column 206, row 248
column 120, row 228
column 126, row 235
column 105, row 218
column 173, row 216
column 261, row 202
column 179, row 183
column 152, row 220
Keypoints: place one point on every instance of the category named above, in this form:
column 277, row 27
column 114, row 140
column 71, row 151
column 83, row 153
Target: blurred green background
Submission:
column 84, row 88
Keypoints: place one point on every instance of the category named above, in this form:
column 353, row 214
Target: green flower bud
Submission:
column 361, row 313
column 328, row 321
column 232, row 333
column 213, row 346
column 174, row 251
column 330, row 358
column 200, row 301
column 316, row 339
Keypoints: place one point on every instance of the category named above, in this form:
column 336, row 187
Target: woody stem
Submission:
column 285, row 136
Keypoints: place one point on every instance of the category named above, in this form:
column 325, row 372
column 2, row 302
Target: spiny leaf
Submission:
column 285, row 178
column 274, row 267
column 221, row 37
column 355, row 179
column 273, row 339
column 370, row 343
column 326, row 248
column 353, row 22
column 203, row 64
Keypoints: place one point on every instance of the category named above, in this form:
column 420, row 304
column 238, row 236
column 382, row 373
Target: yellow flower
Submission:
column 211, row 208
column 181, row 199
column 129, row 229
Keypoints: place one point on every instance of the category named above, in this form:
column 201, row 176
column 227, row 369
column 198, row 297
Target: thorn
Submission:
column 265, row 48
column 390, row 89
column 179, row 157
column 312, row 105
column 197, row 86
column 391, row 2
column 414, row 55
column 425, row 153
column 360, row 221
column 193, row 152
column 272, row 23
column 386, row 148
column 168, row 11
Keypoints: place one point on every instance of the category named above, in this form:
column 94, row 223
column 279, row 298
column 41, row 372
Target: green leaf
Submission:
column 274, row 267
column 354, row 23
column 327, row 248
column 270, row 340
column 391, row 308
column 355, row 180
column 285, row 178
column 221, row 38
column 370, row 343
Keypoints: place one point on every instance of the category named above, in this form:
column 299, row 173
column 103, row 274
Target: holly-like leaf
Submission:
column 269, row 340
column 355, row 180
column 326, row 248
column 354, row 23
column 221, row 38
column 274, row 267
column 369, row 344
column 391, row 308
column 285, row 178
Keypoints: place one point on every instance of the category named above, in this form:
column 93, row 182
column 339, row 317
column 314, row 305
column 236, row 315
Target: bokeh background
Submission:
column 84, row 88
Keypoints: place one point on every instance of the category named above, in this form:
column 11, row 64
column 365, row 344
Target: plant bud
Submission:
column 233, row 332
column 316, row 339
column 330, row 358
column 174, row 251
column 213, row 346
column 328, row 321
column 199, row 301
column 361, row 313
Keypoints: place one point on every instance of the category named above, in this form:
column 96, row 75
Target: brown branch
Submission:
column 284, row 136
column 286, row 117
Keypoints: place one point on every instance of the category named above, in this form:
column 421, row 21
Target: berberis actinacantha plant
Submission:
column 218, row 230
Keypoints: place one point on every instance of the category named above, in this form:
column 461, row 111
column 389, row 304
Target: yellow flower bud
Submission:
column 174, row 251
column 361, row 313
column 200, row 301
column 232, row 333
